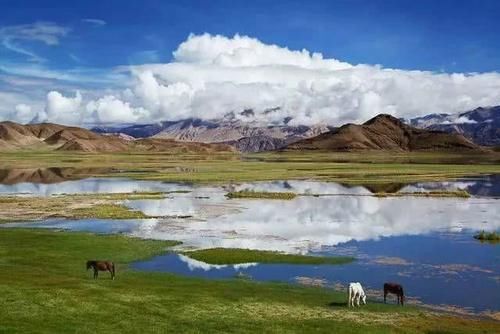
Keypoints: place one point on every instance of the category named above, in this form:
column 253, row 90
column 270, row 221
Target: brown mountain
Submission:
column 47, row 136
column 385, row 132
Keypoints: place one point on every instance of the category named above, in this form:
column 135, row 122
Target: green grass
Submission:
column 45, row 289
column 492, row 237
column 260, row 194
column 107, row 211
column 350, row 168
column 238, row 255
column 436, row 193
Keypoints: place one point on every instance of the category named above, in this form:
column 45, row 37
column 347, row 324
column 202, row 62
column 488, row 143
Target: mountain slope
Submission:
column 247, row 135
column 481, row 125
column 48, row 136
column 384, row 132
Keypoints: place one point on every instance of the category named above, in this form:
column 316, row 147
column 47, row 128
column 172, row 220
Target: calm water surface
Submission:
column 424, row 243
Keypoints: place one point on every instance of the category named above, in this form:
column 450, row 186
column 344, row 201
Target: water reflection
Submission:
column 47, row 175
column 435, row 269
column 88, row 185
column 310, row 223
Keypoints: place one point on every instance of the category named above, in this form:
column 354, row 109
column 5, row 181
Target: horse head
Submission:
column 89, row 264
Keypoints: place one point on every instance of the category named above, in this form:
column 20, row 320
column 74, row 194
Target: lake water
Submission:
column 425, row 244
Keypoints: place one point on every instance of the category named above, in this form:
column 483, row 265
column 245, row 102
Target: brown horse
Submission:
column 396, row 289
column 101, row 266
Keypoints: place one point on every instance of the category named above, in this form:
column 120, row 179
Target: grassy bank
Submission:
column 45, row 289
column 492, row 237
column 440, row 193
column 261, row 194
column 350, row 168
column 237, row 255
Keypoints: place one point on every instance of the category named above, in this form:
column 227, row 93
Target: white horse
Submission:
column 356, row 292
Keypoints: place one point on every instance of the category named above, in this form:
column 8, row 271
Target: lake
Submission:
column 426, row 244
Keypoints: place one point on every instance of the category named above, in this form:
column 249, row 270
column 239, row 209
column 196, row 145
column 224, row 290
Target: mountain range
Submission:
column 481, row 125
column 48, row 136
column 245, row 136
column 464, row 131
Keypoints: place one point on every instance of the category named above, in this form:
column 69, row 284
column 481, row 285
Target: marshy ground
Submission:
column 45, row 288
column 47, row 291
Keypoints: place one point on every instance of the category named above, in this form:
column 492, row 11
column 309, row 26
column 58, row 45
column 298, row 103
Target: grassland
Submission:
column 492, row 237
column 349, row 168
column 46, row 290
column 103, row 206
column 261, row 194
column 237, row 255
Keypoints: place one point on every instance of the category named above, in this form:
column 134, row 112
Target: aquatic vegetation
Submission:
column 238, row 255
column 41, row 291
column 105, row 206
column 261, row 194
column 434, row 193
column 493, row 237
column 107, row 211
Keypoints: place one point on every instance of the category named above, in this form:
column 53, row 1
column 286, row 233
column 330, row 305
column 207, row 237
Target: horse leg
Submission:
column 385, row 296
column 95, row 273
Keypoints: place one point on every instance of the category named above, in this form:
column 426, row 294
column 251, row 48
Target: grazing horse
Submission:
column 101, row 266
column 356, row 292
column 396, row 289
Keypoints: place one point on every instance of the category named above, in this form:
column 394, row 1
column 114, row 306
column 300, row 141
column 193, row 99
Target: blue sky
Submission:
column 90, row 40
column 453, row 36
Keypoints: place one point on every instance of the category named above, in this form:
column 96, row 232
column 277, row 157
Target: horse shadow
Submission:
column 337, row 304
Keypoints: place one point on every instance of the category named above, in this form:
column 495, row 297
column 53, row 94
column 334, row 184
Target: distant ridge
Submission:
column 386, row 133
column 481, row 125
column 246, row 136
column 47, row 136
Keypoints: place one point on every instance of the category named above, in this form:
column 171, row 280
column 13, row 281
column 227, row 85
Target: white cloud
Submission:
column 213, row 75
column 95, row 22
column 23, row 113
column 45, row 32
column 109, row 109
column 210, row 76
column 61, row 109
column 465, row 120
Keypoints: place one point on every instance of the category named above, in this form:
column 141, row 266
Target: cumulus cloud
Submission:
column 62, row 109
column 45, row 32
column 212, row 75
column 110, row 109
column 23, row 113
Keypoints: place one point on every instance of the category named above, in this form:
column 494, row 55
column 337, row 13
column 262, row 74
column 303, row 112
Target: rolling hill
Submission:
column 387, row 133
column 47, row 136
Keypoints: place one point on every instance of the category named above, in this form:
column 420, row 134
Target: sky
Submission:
column 87, row 62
